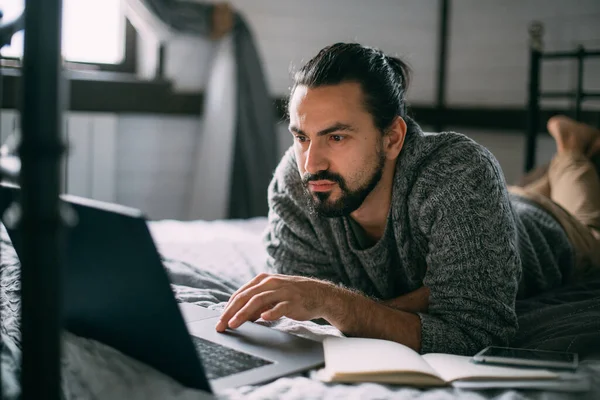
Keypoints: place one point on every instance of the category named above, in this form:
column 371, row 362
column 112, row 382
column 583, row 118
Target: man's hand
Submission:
column 274, row 296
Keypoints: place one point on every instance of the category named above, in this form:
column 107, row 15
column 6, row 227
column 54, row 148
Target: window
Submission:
column 94, row 31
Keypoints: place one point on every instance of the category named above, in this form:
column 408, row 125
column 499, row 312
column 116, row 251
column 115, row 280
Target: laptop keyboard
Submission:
column 220, row 361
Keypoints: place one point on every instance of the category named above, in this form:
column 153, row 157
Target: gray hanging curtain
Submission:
column 255, row 153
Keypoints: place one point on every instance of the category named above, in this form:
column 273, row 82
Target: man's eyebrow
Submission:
column 338, row 126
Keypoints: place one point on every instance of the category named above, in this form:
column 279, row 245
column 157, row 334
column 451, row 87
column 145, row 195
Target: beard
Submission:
column 319, row 203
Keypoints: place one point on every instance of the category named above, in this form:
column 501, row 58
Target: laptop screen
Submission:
column 115, row 289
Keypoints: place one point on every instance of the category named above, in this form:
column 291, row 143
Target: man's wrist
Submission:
column 354, row 314
column 339, row 307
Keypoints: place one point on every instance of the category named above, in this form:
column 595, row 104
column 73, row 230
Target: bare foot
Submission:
column 571, row 135
column 594, row 148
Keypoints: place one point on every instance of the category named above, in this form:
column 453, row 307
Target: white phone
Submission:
column 527, row 358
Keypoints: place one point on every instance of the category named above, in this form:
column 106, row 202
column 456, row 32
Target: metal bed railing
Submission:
column 536, row 56
column 40, row 151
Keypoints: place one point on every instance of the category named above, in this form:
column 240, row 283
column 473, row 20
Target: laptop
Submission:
column 115, row 290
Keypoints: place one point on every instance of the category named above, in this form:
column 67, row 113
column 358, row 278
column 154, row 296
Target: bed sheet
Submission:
column 206, row 262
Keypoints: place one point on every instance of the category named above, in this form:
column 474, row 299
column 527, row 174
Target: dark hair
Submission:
column 384, row 79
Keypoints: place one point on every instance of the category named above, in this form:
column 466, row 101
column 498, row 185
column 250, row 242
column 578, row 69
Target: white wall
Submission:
column 142, row 161
column 288, row 33
column 154, row 163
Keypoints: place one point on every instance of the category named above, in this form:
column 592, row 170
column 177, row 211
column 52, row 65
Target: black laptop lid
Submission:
column 115, row 289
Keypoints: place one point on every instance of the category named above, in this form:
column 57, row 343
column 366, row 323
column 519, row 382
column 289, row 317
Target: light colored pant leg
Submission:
column 575, row 186
column 574, row 202
column 541, row 186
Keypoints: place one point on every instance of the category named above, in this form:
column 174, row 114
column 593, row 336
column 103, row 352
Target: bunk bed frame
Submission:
column 536, row 56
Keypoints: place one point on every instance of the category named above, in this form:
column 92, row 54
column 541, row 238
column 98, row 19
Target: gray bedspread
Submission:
column 208, row 261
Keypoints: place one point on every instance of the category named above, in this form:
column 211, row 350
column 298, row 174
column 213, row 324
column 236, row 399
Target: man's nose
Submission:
column 316, row 160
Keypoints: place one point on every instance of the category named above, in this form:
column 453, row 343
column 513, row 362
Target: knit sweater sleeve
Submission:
column 473, row 263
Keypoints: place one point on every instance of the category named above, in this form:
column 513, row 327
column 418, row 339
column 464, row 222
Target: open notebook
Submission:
column 374, row 360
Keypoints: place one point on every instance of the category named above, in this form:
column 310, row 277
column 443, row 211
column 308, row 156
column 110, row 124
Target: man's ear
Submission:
column 394, row 138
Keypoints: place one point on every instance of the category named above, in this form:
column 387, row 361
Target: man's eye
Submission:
column 301, row 139
column 337, row 138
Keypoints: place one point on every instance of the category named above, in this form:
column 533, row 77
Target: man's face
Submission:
column 338, row 149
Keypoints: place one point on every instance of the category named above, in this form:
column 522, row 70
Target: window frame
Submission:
column 129, row 62
column 127, row 65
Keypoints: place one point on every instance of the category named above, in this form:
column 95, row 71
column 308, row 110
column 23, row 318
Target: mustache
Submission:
column 322, row 175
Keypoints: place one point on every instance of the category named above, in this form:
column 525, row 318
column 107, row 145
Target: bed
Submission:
column 207, row 261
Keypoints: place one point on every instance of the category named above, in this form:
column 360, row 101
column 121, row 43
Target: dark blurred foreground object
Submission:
column 40, row 151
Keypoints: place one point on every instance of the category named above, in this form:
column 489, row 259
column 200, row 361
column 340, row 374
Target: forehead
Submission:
column 342, row 102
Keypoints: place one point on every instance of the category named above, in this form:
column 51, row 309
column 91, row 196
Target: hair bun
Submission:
column 401, row 69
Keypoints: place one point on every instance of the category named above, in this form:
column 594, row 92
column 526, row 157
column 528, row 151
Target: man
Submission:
column 388, row 233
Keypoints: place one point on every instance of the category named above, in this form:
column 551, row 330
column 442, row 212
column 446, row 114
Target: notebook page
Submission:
column 370, row 356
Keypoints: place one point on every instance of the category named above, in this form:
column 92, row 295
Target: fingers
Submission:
column 256, row 304
column 279, row 311
column 253, row 299
column 253, row 282
column 258, row 313
column 233, row 305
column 240, row 301
column 233, row 318
column 263, row 278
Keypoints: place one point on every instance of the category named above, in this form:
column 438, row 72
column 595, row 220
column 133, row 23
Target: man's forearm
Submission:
column 413, row 302
column 357, row 315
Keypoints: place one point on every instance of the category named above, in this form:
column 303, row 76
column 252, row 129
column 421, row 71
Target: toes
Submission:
column 558, row 123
